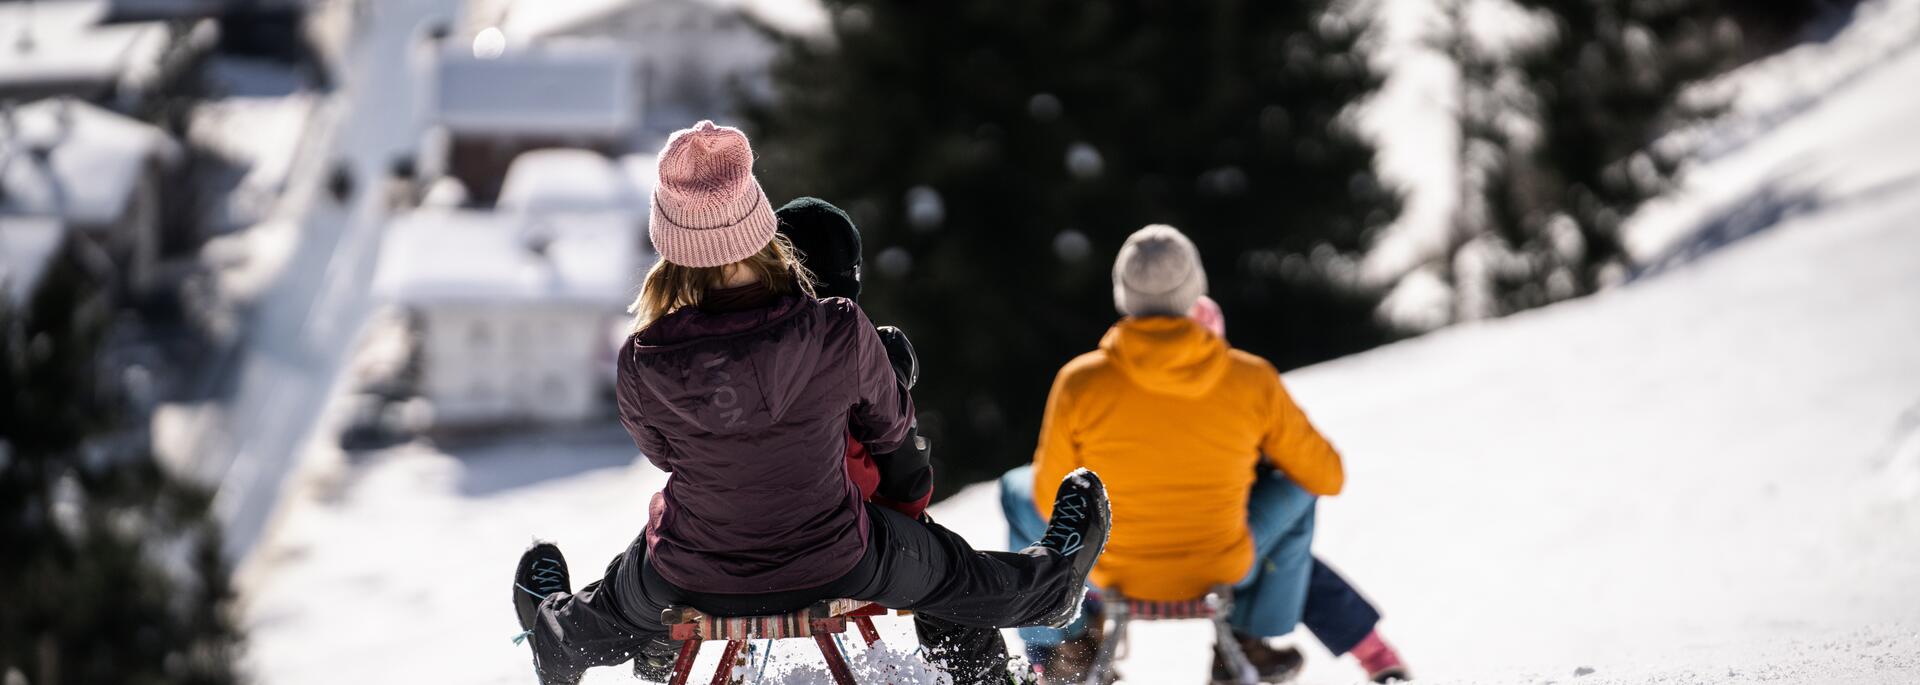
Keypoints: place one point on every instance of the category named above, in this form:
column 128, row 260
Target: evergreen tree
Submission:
column 112, row 570
column 1545, row 202
column 996, row 154
column 1775, row 24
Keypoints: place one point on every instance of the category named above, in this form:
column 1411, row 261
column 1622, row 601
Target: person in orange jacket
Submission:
column 1211, row 467
column 1335, row 612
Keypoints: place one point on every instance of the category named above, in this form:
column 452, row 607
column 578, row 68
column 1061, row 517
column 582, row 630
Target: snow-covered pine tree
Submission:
column 996, row 153
column 1543, row 209
column 111, row 570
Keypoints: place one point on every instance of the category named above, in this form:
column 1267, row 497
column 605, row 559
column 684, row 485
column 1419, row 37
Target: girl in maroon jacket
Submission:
column 744, row 387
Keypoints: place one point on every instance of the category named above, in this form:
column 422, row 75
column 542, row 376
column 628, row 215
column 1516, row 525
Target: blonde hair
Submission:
column 670, row 286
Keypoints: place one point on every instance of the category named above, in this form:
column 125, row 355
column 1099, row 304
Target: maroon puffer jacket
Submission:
column 749, row 410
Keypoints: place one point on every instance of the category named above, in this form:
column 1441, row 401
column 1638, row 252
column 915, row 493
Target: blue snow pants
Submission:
column 1285, row 587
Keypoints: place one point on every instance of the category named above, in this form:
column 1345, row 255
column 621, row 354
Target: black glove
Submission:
column 906, row 365
column 906, row 473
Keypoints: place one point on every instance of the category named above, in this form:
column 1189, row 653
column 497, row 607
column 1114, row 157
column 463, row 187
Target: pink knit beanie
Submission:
column 707, row 208
column 1206, row 312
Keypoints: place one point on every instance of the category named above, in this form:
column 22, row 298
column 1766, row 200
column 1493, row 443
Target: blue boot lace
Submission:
column 549, row 576
column 1063, row 534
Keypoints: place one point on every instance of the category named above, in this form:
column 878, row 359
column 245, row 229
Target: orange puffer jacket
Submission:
column 1174, row 420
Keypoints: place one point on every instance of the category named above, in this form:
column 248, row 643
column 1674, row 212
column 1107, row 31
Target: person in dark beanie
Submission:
column 828, row 242
column 829, row 246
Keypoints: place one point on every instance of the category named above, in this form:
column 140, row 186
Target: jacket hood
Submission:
column 729, row 372
column 1170, row 355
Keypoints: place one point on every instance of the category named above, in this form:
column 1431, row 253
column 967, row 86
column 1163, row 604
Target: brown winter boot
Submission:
column 1069, row 662
column 1271, row 664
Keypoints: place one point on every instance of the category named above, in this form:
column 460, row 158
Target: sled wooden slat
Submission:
column 820, row 622
column 831, row 615
column 1151, row 610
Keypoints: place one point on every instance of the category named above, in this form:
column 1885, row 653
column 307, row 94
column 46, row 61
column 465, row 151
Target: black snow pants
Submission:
column 960, row 598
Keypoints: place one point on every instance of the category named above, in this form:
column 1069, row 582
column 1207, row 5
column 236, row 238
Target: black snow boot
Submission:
column 655, row 661
column 970, row 656
column 1078, row 531
column 542, row 572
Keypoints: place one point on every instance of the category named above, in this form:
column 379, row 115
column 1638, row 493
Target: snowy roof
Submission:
column 93, row 160
column 67, row 51
column 27, row 246
column 538, row 92
column 566, row 180
column 479, row 256
column 534, row 19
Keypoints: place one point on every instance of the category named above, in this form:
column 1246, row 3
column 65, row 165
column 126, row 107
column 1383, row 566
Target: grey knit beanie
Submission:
column 1158, row 273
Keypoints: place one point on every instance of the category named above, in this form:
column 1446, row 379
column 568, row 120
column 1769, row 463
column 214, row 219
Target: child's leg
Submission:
column 1024, row 524
column 1335, row 612
column 1270, row 600
column 574, row 632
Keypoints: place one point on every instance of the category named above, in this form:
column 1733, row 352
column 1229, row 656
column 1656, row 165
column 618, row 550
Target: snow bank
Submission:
column 1816, row 126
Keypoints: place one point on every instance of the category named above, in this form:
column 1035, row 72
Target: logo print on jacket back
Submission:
column 723, row 397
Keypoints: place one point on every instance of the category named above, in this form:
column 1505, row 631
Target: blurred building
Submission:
column 689, row 55
column 489, row 111
column 613, row 76
column 68, row 48
column 95, row 172
column 518, row 309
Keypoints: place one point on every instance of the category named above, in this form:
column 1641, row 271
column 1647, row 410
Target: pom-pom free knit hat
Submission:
column 707, row 208
column 829, row 245
column 1206, row 312
column 1158, row 273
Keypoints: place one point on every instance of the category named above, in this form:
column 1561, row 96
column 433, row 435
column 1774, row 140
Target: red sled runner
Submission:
column 822, row 622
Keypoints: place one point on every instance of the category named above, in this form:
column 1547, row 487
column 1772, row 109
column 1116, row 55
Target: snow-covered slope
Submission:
column 1710, row 475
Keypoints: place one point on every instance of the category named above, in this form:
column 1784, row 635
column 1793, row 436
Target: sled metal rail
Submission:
column 1214, row 607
